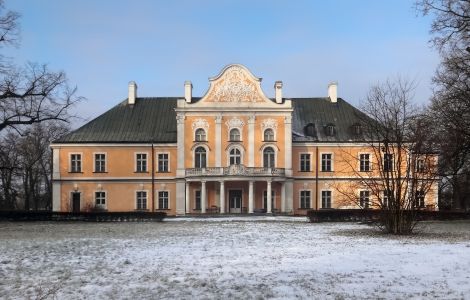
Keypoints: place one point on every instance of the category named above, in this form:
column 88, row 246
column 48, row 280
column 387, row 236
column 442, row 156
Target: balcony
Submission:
column 235, row 170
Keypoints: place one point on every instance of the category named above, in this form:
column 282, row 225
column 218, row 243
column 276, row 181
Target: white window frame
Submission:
column 274, row 135
column 146, row 199
column 359, row 161
column 300, row 161
column 275, row 154
column 239, row 133
column 207, row 155
column 393, row 162
column 70, row 162
column 242, row 156
column 206, row 134
column 158, row 200
column 332, row 161
column 300, row 198
column 105, row 162
column 420, row 169
column 368, row 199
column 424, row 199
column 105, row 205
column 385, row 204
column 331, row 198
column 146, row 162
column 158, row 162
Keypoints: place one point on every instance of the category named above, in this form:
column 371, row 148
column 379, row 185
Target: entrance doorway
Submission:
column 75, row 202
column 235, row 201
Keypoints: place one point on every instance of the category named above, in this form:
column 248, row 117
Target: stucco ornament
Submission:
column 236, row 85
column 200, row 123
column 235, row 123
column 269, row 123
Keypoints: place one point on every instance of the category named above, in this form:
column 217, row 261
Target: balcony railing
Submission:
column 235, row 170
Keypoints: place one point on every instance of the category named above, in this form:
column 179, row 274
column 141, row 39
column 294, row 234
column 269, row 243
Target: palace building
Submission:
column 234, row 150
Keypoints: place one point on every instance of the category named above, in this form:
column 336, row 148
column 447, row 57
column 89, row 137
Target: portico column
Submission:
column 222, row 197
column 250, row 197
column 203, row 197
column 268, row 197
column 188, row 200
column 283, row 197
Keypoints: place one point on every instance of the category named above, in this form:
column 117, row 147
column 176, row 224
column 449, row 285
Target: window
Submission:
column 163, row 200
column 419, row 199
column 309, row 130
column 357, row 129
column 200, row 157
column 420, row 166
column 265, row 199
column 269, row 135
column 141, row 162
column 388, row 162
column 100, row 163
column 268, row 158
column 387, row 199
column 141, row 200
column 100, row 199
column 75, row 163
column 304, row 199
column 364, row 199
column 326, row 199
column 326, row 162
column 234, row 135
column 235, row 156
column 304, row 162
column 163, row 162
column 330, row 130
column 197, row 200
column 364, row 162
column 200, row 135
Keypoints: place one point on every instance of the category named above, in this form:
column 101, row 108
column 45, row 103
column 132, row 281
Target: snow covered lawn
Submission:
column 232, row 258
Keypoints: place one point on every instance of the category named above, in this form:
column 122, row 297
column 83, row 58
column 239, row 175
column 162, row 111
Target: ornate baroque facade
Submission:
column 233, row 150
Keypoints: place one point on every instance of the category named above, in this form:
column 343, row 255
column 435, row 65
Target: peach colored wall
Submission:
column 280, row 141
column 120, row 196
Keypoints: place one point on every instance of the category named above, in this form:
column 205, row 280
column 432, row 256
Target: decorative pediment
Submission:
column 269, row 123
column 235, row 84
column 235, row 123
column 200, row 123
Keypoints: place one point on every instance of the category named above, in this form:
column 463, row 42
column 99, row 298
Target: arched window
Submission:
column 200, row 157
column 234, row 135
column 235, row 156
column 268, row 157
column 309, row 130
column 200, row 135
column 268, row 135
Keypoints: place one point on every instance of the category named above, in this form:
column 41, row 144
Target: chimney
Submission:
column 278, row 91
column 188, row 91
column 333, row 92
column 132, row 93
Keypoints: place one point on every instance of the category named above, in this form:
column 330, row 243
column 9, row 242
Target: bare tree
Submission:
column 450, row 107
column 401, row 168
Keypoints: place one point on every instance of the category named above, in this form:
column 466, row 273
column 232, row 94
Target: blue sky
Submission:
column 102, row 45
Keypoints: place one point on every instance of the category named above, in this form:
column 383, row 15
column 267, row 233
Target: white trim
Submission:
column 206, row 132
column 105, row 162
column 369, row 205
column 227, row 198
column 55, row 163
column 157, row 199
column 325, row 144
column 331, row 197
column 274, row 135
column 274, row 147
column 169, row 161
column 300, row 201
column 300, row 162
column 321, row 162
column 359, row 162
column 146, row 199
column 70, row 161
column 242, row 153
column 105, row 206
column 193, row 151
column 56, row 196
column 146, row 162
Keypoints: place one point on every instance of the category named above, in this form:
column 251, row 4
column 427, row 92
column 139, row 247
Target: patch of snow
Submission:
column 254, row 257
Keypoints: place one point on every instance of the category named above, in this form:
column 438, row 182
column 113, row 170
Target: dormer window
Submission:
column 357, row 129
column 200, row 135
column 234, row 135
column 310, row 130
column 330, row 130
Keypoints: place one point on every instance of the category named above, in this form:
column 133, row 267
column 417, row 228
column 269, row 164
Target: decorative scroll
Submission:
column 269, row 123
column 200, row 123
column 235, row 123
